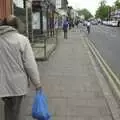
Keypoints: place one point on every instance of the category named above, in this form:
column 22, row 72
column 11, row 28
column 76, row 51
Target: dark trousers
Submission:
column 88, row 29
column 65, row 34
column 14, row 108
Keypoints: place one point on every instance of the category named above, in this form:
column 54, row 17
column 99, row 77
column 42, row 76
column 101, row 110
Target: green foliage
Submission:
column 86, row 13
column 117, row 4
column 103, row 10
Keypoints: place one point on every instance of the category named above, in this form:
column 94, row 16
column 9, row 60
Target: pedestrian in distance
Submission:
column 70, row 25
column 17, row 68
column 77, row 23
column 65, row 29
column 88, row 27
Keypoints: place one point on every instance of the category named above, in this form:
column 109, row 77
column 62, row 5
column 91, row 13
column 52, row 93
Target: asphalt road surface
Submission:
column 107, row 41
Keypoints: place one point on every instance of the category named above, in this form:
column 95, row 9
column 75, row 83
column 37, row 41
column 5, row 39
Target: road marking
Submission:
column 106, row 65
column 113, row 79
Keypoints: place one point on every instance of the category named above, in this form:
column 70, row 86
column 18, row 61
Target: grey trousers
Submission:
column 14, row 108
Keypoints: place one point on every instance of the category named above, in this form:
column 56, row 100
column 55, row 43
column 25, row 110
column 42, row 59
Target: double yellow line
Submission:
column 113, row 80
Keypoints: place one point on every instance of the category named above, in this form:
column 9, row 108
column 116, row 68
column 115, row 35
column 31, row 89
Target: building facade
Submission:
column 61, row 8
column 74, row 15
column 115, row 14
column 61, row 4
column 43, row 17
column 5, row 8
column 64, row 4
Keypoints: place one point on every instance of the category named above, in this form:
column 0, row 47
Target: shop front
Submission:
column 43, row 24
column 39, row 18
column 43, row 18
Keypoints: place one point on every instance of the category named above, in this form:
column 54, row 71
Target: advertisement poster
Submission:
column 36, row 20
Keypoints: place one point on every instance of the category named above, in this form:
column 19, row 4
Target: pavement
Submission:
column 75, row 87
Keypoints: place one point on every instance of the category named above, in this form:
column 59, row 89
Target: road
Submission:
column 107, row 41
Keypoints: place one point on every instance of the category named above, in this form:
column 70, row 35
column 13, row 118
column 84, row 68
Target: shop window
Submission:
column 36, row 21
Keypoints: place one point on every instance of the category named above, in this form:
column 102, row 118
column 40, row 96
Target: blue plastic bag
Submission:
column 40, row 107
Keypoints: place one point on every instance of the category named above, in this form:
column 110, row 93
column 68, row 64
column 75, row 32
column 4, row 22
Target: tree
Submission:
column 103, row 3
column 103, row 11
column 113, row 8
column 117, row 4
column 86, row 13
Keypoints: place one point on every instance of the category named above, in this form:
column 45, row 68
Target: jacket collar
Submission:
column 6, row 29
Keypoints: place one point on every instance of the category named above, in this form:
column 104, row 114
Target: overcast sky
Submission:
column 91, row 5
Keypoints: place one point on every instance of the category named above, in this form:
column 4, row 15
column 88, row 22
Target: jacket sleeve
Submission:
column 30, row 64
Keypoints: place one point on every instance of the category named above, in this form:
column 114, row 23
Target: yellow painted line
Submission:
column 106, row 65
column 111, row 81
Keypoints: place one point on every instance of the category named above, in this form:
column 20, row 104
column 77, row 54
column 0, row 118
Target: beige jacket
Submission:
column 17, row 63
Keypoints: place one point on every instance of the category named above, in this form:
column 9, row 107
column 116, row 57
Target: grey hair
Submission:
column 16, row 23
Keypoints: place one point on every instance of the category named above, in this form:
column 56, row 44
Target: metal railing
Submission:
column 45, row 40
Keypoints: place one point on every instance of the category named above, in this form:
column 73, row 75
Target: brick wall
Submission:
column 5, row 8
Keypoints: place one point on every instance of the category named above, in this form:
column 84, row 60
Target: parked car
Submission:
column 114, row 23
column 108, row 23
column 94, row 22
column 111, row 23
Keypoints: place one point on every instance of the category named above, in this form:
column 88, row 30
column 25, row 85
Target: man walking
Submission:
column 65, row 28
column 17, row 67
column 88, row 27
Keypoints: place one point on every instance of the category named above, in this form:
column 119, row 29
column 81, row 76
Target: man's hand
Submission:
column 39, row 87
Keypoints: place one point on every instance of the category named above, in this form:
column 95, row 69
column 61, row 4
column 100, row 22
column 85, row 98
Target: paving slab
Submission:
column 71, row 83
